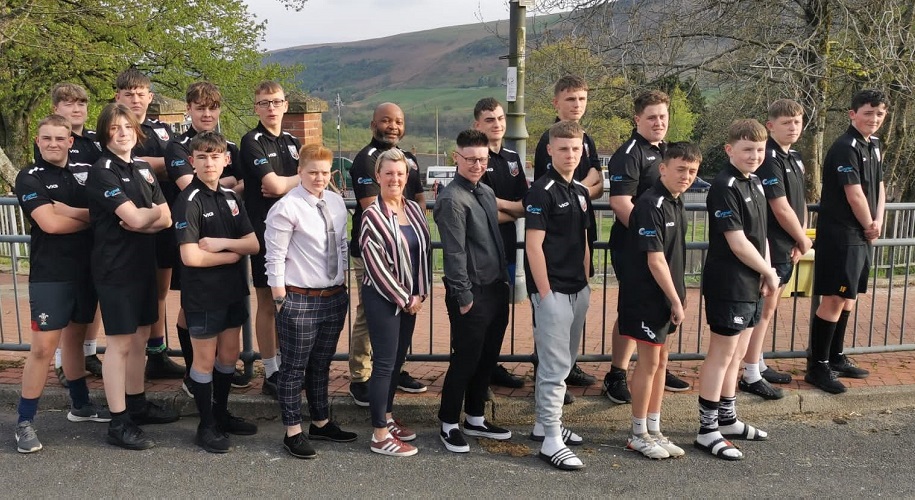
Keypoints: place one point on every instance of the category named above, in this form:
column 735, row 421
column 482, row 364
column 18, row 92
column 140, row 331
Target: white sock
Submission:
column 446, row 428
column 553, row 444
column 654, row 423
column 475, row 421
column 279, row 359
column 638, row 426
column 751, row 373
column 271, row 366
column 762, row 364
column 90, row 348
column 57, row 362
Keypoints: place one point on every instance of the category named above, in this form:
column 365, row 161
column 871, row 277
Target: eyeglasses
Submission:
column 472, row 161
column 266, row 104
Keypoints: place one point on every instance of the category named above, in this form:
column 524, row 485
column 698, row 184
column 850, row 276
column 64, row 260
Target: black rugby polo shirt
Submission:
column 201, row 212
column 633, row 170
column 782, row 175
column 262, row 153
column 157, row 136
column 53, row 257
column 658, row 224
column 119, row 255
column 178, row 164
column 505, row 175
column 84, row 152
column 560, row 209
column 850, row 160
column 735, row 203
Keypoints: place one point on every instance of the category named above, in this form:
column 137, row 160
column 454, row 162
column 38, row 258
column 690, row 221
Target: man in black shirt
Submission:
column 505, row 175
column 213, row 233
column 269, row 162
column 134, row 90
column 570, row 99
column 850, row 219
column 387, row 130
column 782, row 176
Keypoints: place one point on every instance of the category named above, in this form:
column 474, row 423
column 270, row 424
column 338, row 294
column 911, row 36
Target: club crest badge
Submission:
column 81, row 177
column 233, row 206
column 293, row 151
column 162, row 133
column 583, row 202
column 513, row 168
column 147, row 175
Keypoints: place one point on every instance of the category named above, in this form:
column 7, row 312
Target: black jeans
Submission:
column 476, row 340
column 391, row 333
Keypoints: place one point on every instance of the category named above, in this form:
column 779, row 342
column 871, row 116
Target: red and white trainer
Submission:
column 400, row 431
column 393, row 447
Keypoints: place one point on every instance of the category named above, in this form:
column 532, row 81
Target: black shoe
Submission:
column 502, row 378
column 240, row 380
column 231, row 424
column 94, row 365
column 153, row 413
column 674, row 383
column 487, row 430
column 159, row 366
column 821, row 376
column 761, row 388
column 213, row 440
column 61, row 377
column 616, row 388
column 843, row 366
column 774, row 377
column 331, row 432
column 298, row 446
column 406, row 383
column 128, row 435
column 269, row 387
column 568, row 398
column 360, row 393
column 454, row 441
column 577, row 377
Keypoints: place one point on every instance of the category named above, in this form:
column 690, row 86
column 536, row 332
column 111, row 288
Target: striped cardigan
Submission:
column 388, row 267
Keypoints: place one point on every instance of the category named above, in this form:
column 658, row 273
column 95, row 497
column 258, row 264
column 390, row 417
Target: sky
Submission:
column 328, row 21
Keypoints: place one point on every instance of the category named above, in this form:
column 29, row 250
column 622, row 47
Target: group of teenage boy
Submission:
column 146, row 194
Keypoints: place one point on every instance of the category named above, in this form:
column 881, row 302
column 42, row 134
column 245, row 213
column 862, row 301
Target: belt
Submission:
column 317, row 292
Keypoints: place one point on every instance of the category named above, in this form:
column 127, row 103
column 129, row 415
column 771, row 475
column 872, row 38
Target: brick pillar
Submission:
column 303, row 119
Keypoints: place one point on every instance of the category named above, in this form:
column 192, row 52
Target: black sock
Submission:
column 136, row 403
column 222, row 384
column 120, row 416
column 708, row 416
column 79, row 393
column 203, row 398
column 821, row 338
column 187, row 349
column 617, row 371
column 838, row 338
column 727, row 411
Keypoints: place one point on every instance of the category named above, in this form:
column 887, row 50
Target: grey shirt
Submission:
column 467, row 221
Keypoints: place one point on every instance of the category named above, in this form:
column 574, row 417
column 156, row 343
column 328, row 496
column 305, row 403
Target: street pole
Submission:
column 516, row 129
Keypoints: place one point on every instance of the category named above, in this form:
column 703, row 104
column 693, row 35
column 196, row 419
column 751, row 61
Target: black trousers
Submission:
column 476, row 340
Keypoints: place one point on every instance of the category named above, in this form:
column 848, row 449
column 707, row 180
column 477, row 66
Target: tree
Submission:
column 89, row 42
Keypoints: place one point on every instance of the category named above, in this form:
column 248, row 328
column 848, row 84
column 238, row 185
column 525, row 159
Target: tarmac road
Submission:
column 829, row 454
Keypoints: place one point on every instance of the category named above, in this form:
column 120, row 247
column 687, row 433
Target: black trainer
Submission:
column 331, row 432
column 299, row 446
column 503, row 378
column 822, row 377
column 128, row 435
column 568, row 398
column 843, row 366
column 160, row 366
column 454, row 441
column 406, row 383
column 269, row 387
column 231, row 424
column 775, row 377
column 674, row 383
column 94, row 365
column 212, row 439
column 616, row 388
column 487, row 430
column 579, row 378
column 761, row 388
column 360, row 393
column 153, row 413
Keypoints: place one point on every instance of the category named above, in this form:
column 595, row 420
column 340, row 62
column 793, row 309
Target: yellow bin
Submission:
column 802, row 278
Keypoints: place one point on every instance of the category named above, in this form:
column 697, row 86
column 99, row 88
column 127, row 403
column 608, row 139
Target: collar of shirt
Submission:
column 464, row 183
column 266, row 133
column 42, row 163
column 305, row 194
column 643, row 142
column 666, row 192
column 556, row 176
column 855, row 133
column 736, row 173
column 117, row 160
column 197, row 183
column 774, row 146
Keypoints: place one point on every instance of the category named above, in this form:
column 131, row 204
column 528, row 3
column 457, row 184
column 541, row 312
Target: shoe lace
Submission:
column 27, row 432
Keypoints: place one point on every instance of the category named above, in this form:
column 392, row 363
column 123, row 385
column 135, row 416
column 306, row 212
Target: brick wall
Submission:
column 305, row 126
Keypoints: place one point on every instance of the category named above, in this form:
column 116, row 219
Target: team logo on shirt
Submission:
column 29, row 197
column 180, row 225
column 583, row 202
column 531, row 209
column 412, row 164
column 260, row 161
column 147, row 175
column 162, row 133
column 233, row 206
column 293, row 151
column 43, row 319
column 616, row 178
column 513, row 168
column 845, row 170
column 770, row 182
column 364, row 180
column 81, row 177
column 723, row 214
column 111, row 193
column 648, row 233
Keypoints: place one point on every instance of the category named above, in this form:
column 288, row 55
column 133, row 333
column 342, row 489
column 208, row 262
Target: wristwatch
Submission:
column 279, row 301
